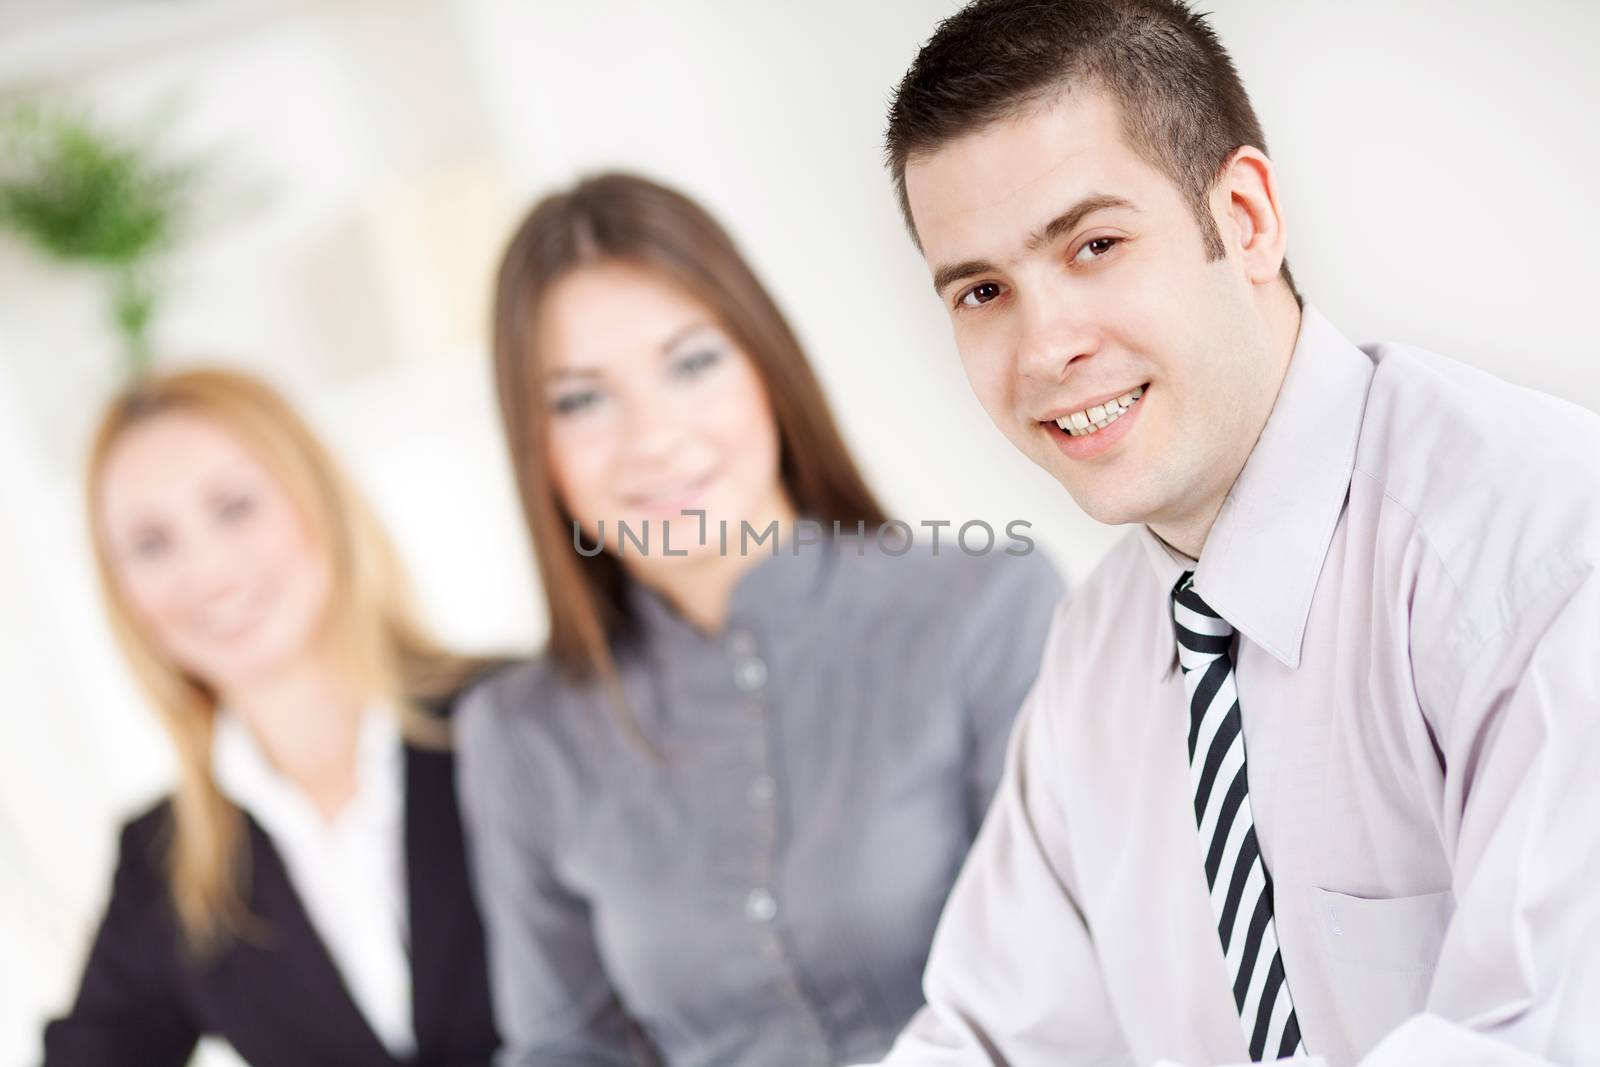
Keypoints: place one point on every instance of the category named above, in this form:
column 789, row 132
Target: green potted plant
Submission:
column 83, row 193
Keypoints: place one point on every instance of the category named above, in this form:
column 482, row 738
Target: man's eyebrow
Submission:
column 1065, row 222
column 956, row 271
column 1071, row 218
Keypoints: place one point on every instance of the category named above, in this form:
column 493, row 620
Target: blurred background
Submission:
column 319, row 192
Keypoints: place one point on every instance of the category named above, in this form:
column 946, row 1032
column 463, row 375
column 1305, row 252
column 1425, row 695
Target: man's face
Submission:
column 1076, row 277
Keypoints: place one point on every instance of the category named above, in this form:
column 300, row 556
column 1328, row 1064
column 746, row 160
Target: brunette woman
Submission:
column 714, row 823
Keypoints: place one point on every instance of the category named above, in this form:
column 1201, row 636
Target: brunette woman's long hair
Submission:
column 369, row 625
column 622, row 218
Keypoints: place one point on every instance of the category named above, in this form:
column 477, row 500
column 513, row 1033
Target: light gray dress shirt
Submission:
column 765, row 893
column 1411, row 556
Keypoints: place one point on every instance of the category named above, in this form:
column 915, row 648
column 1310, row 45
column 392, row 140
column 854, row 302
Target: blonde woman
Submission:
column 302, row 893
column 715, row 822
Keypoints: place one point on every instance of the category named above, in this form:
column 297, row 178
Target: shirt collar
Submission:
column 1265, row 552
column 1168, row 564
column 247, row 777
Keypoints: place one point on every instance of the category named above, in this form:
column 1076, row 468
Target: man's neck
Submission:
column 1181, row 542
column 1188, row 534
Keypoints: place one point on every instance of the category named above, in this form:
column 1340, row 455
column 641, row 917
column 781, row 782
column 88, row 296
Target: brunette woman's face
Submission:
column 654, row 410
column 213, row 558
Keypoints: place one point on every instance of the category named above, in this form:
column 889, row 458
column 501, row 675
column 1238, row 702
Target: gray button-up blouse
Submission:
column 763, row 889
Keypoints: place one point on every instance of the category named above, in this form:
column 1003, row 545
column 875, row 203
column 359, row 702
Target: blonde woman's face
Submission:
column 654, row 410
column 213, row 558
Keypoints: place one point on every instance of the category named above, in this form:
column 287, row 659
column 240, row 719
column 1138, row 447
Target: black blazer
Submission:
column 145, row 1002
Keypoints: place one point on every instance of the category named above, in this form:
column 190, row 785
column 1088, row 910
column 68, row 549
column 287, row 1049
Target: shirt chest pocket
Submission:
column 1380, row 956
column 1396, row 934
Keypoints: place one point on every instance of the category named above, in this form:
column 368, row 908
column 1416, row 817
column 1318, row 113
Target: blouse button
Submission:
column 762, row 790
column 760, row 906
column 750, row 674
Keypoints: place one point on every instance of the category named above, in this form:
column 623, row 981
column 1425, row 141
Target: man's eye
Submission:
column 1097, row 247
column 980, row 294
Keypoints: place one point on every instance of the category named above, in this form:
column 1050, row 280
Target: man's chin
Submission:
column 1108, row 505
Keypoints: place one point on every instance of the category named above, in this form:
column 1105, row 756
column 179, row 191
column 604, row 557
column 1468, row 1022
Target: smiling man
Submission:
column 1331, row 789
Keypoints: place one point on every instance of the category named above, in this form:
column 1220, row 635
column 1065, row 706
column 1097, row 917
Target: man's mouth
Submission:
column 1093, row 419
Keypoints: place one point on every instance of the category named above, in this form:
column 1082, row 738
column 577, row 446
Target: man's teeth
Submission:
column 1097, row 418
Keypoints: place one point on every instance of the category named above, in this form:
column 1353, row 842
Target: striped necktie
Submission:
column 1241, row 890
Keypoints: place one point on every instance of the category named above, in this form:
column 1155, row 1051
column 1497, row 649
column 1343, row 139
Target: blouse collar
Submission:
column 247, row 777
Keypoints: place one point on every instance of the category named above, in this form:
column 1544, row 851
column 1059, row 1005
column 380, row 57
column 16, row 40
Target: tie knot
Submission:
column 1202, row 634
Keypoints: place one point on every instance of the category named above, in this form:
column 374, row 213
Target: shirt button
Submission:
column 760, row 906
column 750, row 674
column 762, row 790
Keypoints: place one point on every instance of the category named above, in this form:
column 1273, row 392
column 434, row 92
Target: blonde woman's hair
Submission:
column 369, row 626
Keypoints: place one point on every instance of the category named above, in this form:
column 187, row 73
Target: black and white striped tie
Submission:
column 1241, row 890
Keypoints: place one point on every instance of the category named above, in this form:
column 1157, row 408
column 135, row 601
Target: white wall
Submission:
column 1440, row 162
column 1437, row 161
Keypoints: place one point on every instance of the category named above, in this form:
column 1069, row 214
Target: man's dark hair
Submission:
column 1184, row 109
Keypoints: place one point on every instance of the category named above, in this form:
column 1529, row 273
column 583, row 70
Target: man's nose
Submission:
column 1052, row 339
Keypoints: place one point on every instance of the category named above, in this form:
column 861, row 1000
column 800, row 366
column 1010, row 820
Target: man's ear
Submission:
column 1245, row 198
